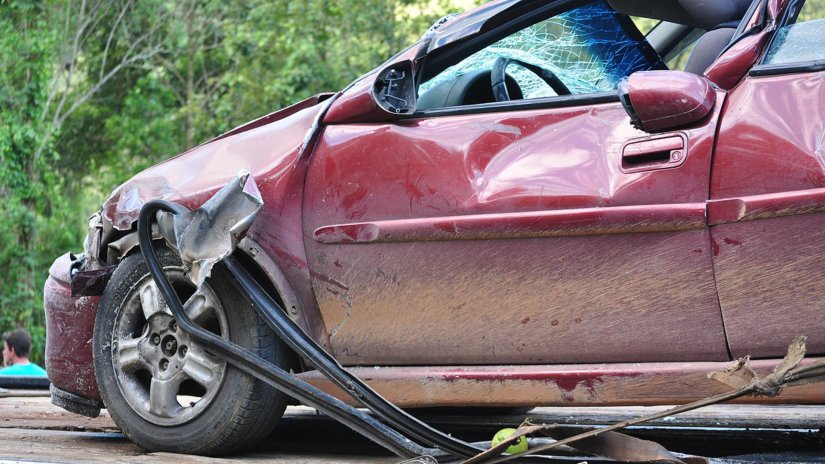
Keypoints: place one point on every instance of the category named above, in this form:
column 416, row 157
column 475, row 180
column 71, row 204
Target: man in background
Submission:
column 16, row 345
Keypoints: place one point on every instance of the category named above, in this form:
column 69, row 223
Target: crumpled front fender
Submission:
column 266, row 147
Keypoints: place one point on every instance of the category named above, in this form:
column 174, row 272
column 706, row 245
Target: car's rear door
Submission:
column 767, row 212
column 517, row 232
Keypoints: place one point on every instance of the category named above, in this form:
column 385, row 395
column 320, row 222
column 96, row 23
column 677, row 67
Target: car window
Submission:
column 678, row 57
column 645, row 25
column 589, row 49
column 800, row 42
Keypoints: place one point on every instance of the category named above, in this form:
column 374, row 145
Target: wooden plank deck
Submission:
column 723, row 415
column 33, row 430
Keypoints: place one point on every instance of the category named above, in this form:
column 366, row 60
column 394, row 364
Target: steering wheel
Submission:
column 498, row 78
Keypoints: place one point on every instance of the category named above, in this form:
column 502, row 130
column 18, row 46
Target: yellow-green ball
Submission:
column 519, row 446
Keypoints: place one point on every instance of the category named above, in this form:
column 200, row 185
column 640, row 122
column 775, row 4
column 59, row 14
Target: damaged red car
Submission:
column 534, row 205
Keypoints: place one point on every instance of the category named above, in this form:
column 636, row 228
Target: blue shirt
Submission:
column 25, row 370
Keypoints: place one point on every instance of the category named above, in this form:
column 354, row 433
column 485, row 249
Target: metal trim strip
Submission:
column 555, row 223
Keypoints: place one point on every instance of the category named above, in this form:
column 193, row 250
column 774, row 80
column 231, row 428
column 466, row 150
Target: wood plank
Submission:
column 723, row 415
column 34, row 430
column 718, row 416
column 39, row 413
column 58, row 446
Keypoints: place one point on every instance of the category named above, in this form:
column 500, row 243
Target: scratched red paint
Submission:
column 69, row 319
column 516, row 189
column 666, row 99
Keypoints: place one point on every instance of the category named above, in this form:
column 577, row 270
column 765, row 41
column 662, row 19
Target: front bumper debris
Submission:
column 70, row 320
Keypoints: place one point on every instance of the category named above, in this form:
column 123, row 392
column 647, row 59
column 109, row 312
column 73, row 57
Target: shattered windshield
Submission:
column 589, row 48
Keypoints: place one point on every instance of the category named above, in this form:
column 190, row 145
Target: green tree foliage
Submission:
column 32, row 203
column 92, row 91
column 812, row 10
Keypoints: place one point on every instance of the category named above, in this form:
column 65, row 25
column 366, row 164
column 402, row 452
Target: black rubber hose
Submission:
column 297, row 339
column 260, row 368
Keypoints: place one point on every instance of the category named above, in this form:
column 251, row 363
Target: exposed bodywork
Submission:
column 270, row 148
column 534, row 252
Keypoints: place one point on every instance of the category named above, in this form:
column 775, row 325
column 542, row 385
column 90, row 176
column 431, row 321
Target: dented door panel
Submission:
column 770, row 273
column 768, row 191
column 510, row 237
column 772, row 137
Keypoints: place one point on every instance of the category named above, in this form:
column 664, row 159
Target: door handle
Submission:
column 654, row 153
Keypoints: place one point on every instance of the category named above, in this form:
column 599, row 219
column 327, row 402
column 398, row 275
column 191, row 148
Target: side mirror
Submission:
column 388, row 95
column 658, row 101
column 394, row 89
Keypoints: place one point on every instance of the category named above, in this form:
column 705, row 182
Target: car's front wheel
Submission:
column 166, row 391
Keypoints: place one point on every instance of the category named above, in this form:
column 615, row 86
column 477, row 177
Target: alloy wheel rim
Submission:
column 166, row 377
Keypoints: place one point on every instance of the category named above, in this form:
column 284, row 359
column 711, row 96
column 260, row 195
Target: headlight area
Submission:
column 103, row 249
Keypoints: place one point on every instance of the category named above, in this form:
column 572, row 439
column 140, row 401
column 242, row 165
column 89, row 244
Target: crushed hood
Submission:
column 264, row 147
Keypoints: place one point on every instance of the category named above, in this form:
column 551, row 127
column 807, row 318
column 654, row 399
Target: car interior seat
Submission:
column 719, row 18
column 709, row 46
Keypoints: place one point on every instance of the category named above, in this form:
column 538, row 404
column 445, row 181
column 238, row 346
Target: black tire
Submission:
column 234, row 411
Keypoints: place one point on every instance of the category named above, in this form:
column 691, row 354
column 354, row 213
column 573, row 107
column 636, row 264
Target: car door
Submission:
column 768, row 194
column 544, row 229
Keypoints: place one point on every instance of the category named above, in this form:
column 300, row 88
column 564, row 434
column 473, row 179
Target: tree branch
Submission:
column 112, row 35
column 141, row 49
